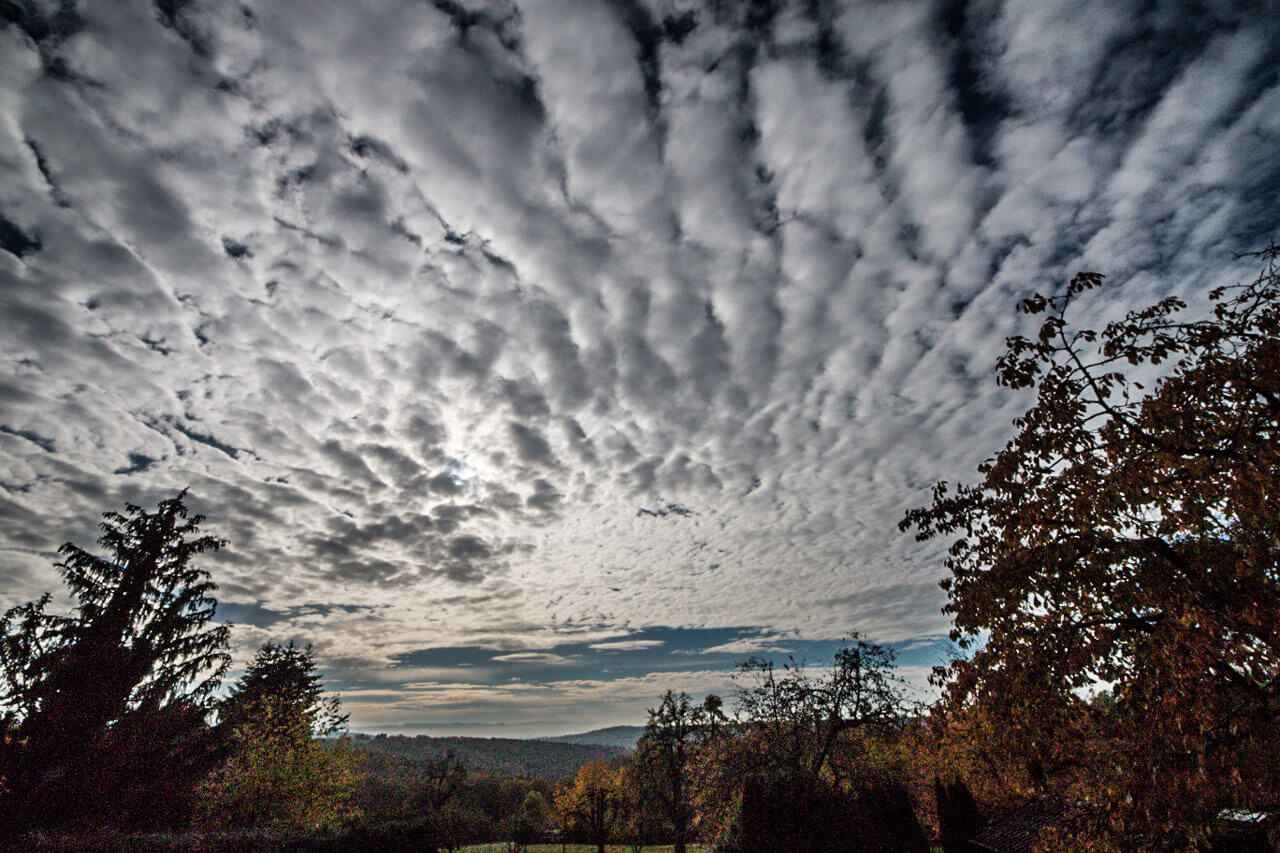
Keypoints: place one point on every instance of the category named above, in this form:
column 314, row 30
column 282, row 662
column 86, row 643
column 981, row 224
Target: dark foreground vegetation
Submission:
column 1114, row 576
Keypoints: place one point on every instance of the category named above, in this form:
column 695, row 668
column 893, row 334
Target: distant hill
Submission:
column 535, row 759
column 619, row 737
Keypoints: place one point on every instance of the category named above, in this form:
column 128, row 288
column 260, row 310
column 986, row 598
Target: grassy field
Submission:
column 574, row 848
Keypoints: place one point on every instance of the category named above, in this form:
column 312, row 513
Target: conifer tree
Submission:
column 134, row 661
column 278, row 775
column 285, row 677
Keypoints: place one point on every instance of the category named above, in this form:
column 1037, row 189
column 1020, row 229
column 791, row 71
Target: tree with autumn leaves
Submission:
column 665, row 756
column 1128, row 539
column 808, row 761
column 285, row 770
column 592, row 802
column 1115, row 575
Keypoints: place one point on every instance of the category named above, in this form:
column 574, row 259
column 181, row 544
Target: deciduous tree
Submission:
column 665, row 754
column 800, row 716
column 1129, row 535
column 810, row 745
column 526, row 824
column 592, row 801
column 439, row 781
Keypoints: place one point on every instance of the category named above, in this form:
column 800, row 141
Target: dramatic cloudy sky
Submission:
column 536, row 357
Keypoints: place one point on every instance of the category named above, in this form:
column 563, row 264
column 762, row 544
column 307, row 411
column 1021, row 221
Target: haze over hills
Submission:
column 621, row 737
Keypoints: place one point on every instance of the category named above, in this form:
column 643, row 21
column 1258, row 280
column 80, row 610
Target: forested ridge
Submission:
column 544, row 759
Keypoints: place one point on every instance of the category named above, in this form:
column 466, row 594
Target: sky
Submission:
column 536, row 358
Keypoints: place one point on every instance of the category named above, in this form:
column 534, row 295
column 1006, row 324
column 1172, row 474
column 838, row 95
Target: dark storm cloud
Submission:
column 425, row 301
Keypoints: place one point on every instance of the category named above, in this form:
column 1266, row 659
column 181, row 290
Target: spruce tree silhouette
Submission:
column 102, row 712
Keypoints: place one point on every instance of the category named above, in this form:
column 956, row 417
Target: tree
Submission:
column 285, row 678
column 674, row 732
column 462, row 823
column 440, row 779
column 439, row 782
column 86, row 698
column 643, row 819
column 525, row 825
column 1129, row 535
column 592, row 801
column 801, row 717
column 810, row 769
column 278, row 774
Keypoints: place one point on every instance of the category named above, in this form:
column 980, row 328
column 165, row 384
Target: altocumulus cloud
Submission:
column 432, row 304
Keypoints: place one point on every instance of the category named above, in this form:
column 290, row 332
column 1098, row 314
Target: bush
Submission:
column 802, row 814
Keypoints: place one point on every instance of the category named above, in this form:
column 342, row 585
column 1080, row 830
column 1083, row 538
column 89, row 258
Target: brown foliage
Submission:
column 1129, row 536
column 592, row 801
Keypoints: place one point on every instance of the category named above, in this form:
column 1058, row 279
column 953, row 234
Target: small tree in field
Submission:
column 1130, row 535
column 664, row 757
column 592, row 801
column 526, row 824
column 103, row 709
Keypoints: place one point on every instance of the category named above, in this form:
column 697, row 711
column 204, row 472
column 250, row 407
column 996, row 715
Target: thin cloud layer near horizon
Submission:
column 538, row 357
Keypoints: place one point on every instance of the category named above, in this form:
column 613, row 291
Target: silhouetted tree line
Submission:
column 112, row 724
column 807, row 762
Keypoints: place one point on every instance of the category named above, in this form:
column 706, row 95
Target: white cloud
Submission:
column 532, row 657
column 628, row 645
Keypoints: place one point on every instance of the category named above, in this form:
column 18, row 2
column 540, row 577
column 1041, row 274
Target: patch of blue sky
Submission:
column 642, row 652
